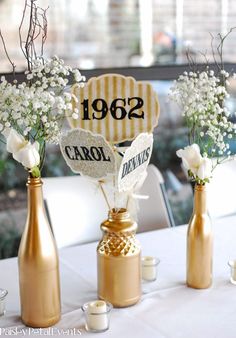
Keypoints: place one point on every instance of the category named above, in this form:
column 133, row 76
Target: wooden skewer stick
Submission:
column 104, row 194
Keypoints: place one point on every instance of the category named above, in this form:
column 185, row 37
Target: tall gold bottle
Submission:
column 199, row 243
column 118, row 258
column 38, row 264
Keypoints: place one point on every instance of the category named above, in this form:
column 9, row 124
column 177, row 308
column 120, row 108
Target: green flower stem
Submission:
column 1, row 140
column 42, row 155
column 35, row 172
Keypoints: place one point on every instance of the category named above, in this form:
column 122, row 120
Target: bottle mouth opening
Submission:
column 120, row 213
column 34, row 181
column 200, row 187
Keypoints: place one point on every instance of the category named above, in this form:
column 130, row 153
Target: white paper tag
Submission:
column 87, row 153
column 135, row 161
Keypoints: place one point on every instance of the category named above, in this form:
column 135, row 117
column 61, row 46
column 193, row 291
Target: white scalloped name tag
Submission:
column 135, row 161
column 87, row 153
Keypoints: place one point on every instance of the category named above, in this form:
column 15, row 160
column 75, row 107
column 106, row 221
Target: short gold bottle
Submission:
column 38, row 264
column 118, row 259
column 199, row 243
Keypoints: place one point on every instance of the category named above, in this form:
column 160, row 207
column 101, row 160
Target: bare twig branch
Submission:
column 28, row 42
column 7, row 55
column 37, row 28
column 219, row 48
column 213, row 52
column 45, row 29
column 20, row 29
column 191, row 61
column 204, row 55
column 42, row 27
column 221, row 44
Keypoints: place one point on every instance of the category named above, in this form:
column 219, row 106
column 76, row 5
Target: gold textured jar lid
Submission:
column 119, row 220
column 118, row 214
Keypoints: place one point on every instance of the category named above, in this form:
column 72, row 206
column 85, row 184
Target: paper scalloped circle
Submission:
column 135, row 161
column 123, row 97
column 87, row 153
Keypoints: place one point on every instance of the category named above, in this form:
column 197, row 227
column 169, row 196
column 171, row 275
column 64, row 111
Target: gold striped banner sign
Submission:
column 116, row 106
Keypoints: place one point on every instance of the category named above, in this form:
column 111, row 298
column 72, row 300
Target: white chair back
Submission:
column 154, row 213
column 76, row 207
column 221, row 190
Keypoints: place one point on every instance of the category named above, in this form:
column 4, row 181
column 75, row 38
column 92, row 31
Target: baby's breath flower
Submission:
column 201, row 97
column 36, row 108
column 75, row 116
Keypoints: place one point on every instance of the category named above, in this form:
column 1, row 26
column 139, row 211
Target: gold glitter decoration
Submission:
column 117, row 244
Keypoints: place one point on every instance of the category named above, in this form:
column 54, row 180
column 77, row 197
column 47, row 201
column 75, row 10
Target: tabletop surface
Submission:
column 168, row 309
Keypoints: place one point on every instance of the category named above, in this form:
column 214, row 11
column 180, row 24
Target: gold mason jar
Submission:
column 38, row 264
column 119, row 262
column 199, row 243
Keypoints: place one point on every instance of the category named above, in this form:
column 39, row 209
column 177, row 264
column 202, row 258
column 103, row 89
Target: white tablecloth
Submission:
column 168, row 309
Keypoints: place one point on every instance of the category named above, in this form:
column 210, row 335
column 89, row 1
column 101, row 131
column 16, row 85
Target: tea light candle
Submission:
column 232, row 264
column 97, row 319
column 149, row 268
column 3, row 294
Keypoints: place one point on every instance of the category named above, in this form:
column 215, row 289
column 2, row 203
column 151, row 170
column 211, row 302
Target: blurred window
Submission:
column 116, row 33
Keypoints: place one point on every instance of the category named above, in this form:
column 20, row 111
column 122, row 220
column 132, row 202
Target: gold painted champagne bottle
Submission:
column 118, row 259
column 38, row 264
column 199, row 243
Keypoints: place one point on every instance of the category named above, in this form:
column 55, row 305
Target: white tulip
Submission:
column 205, row 168
column 191, row 157
column 14, row 141
column 28, row 155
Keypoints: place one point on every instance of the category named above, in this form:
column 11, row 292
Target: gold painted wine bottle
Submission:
column 118, row 258
column 199, row 243
column 38, row 264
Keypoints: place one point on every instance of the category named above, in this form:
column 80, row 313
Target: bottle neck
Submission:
column 119, row 220
column 35, row 194
column 37, row 239
column 200, row 199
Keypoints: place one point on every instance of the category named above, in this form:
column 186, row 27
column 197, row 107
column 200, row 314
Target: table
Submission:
column 168, row 309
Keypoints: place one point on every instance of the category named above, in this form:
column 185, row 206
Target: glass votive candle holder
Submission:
column 149, row 268
column 3, row 294
column 97, row 315
column 232, row 265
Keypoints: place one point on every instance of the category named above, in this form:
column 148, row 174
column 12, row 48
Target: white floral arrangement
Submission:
column 201, row 96
column 32, row 112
